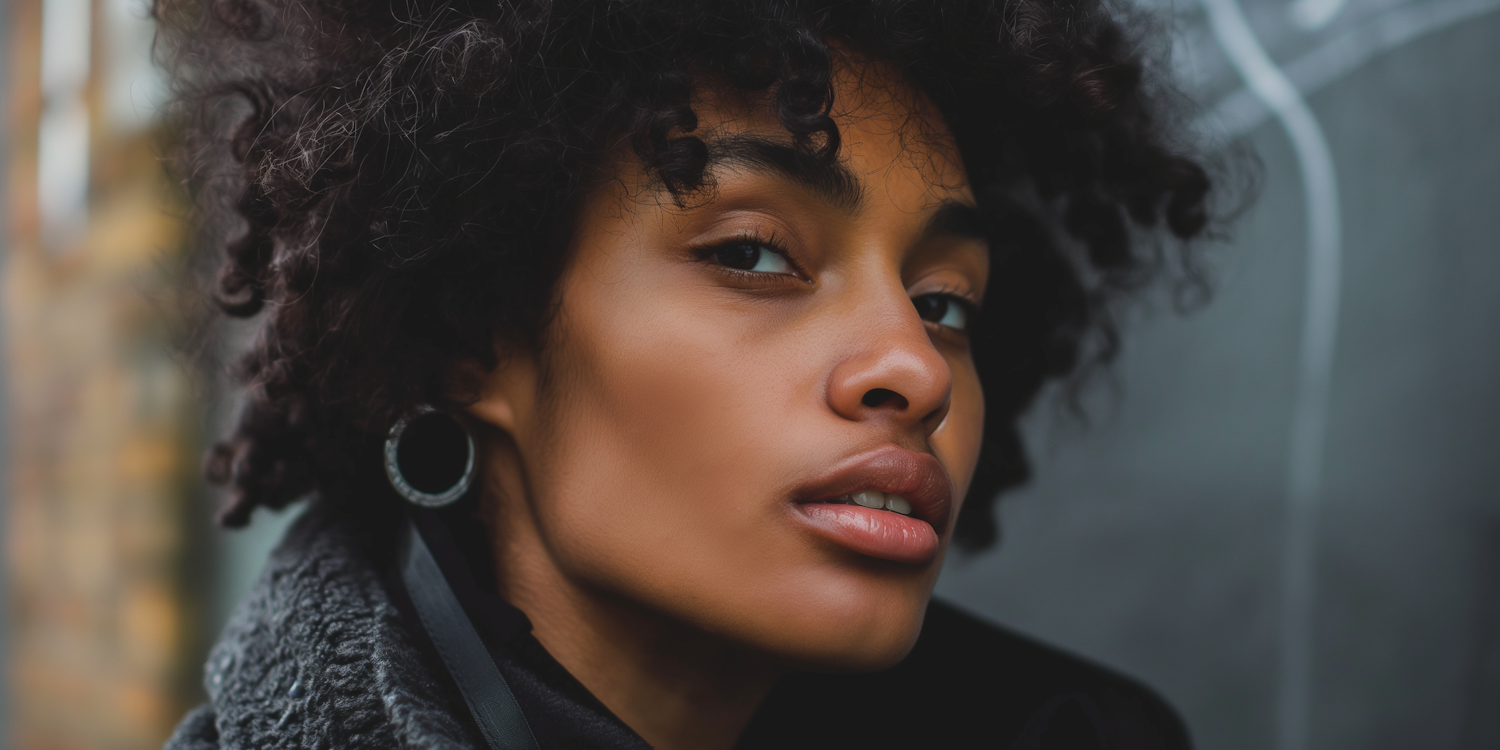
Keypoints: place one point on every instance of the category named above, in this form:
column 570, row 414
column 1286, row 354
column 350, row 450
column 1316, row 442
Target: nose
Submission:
column 892, row 372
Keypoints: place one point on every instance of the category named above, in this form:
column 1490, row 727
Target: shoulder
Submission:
column 317, row 655
column 968, row 683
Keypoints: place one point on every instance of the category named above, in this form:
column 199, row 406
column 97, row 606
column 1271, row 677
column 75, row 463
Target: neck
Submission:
column 675, row 685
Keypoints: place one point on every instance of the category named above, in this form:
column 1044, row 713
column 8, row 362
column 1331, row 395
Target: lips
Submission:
column 919, row 478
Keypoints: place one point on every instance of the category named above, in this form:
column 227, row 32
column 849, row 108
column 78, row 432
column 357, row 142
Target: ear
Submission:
column 504, row 397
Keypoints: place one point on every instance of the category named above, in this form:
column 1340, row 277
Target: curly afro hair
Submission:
column 389, row 185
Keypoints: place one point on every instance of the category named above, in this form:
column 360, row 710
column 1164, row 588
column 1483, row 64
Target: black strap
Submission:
column 490, row 701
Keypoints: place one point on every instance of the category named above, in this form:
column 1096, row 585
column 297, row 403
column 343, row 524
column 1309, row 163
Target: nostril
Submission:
column 877, row 397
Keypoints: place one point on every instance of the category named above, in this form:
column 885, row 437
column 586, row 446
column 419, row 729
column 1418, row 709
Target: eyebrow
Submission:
column 956, row 219
column 831, row 181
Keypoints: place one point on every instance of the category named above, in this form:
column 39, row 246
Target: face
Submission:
column 755, row 413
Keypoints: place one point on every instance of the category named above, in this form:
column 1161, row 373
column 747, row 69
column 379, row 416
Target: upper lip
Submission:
column 918, row 477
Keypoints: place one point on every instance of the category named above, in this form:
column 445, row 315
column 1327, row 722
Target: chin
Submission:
column 846, row 629
column 880, row 646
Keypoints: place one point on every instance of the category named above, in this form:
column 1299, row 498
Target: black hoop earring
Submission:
column 429, row 458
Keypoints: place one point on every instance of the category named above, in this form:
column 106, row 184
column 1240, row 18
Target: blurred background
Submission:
column 1283, row 512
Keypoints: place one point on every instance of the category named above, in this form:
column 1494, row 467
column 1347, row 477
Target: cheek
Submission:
column 663, row 435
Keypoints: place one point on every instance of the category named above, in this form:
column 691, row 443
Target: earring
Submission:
column 429, row 458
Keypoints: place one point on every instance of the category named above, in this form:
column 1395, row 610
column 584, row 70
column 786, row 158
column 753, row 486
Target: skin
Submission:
column 640, row 469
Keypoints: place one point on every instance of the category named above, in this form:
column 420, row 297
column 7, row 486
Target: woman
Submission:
column 644, row 359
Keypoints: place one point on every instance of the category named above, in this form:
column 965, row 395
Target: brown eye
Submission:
column 943, row 310
column 741, row 256
column 750, row 256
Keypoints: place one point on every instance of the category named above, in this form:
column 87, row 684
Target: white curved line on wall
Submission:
column 1311, row 15
column 1240, row 113
column 1314, row 362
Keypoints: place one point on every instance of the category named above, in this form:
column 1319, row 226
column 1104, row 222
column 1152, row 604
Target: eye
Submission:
column 755, row 257
column 942, row 309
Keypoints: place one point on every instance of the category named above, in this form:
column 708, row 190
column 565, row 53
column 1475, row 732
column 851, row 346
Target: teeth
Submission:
column 876, row 499
column 898, row 504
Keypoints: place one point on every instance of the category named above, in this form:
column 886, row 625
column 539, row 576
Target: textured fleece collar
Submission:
column 318, row 657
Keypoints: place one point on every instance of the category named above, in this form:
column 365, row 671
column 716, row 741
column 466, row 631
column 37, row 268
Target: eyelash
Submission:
column 751, row 237
column 775, row 245
column 954, row 295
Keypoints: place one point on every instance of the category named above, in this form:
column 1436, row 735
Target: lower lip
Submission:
column 876, row 533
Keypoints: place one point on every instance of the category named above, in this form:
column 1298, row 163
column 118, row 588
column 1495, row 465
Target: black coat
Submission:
column 325, row 653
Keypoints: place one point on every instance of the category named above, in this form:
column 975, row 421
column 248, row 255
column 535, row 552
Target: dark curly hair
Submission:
column 391, row 185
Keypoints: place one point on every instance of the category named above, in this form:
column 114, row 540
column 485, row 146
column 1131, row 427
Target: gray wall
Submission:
column 1155, row 538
